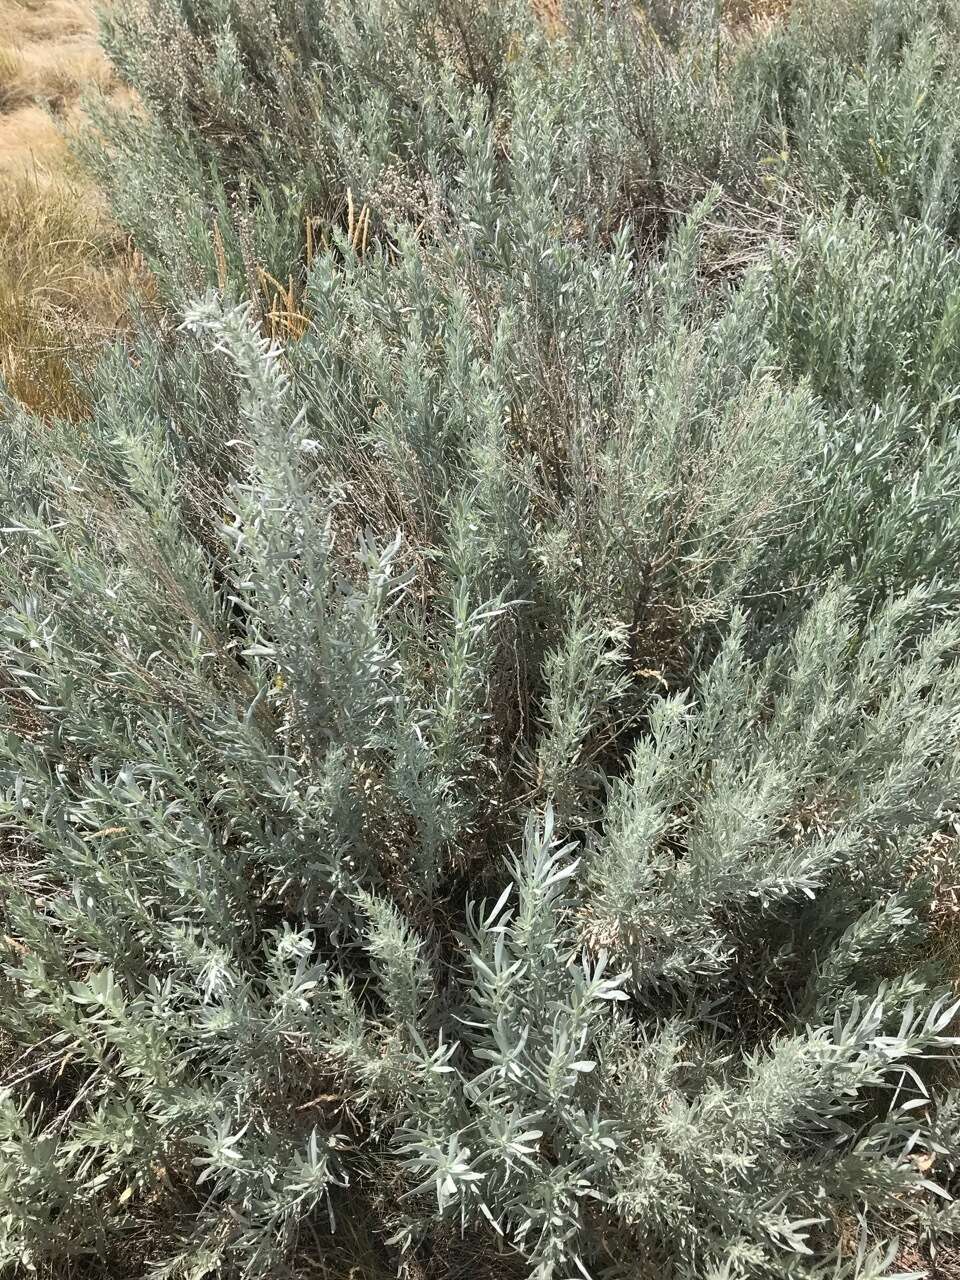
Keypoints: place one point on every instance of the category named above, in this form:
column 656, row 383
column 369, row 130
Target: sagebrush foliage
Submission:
column 480, row 689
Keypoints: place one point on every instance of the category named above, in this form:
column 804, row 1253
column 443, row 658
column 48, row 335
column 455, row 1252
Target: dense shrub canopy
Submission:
column 480, row 698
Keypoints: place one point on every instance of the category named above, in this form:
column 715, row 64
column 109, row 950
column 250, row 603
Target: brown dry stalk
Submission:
column 220, row 254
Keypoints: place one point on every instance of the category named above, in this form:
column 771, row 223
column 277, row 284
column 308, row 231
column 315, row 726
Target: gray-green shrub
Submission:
column 468, row 761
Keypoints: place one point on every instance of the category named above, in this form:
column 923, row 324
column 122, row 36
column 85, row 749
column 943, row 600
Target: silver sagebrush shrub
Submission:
column 479, row 694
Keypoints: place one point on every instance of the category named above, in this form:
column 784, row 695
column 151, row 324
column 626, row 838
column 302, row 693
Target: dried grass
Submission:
column 746, row 12
column 48, row 55
column 64, row 276
column 64, row 285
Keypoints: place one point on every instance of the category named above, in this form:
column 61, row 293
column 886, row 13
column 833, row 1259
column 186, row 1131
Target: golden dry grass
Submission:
column 63, row 288
column 63, row 276
column 739, row 12
column 48, row 55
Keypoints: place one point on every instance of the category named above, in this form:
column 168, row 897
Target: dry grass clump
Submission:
column 48, row 56
column 64, row 282
column 737, row 12
column 52, row 72
column 64, row 276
